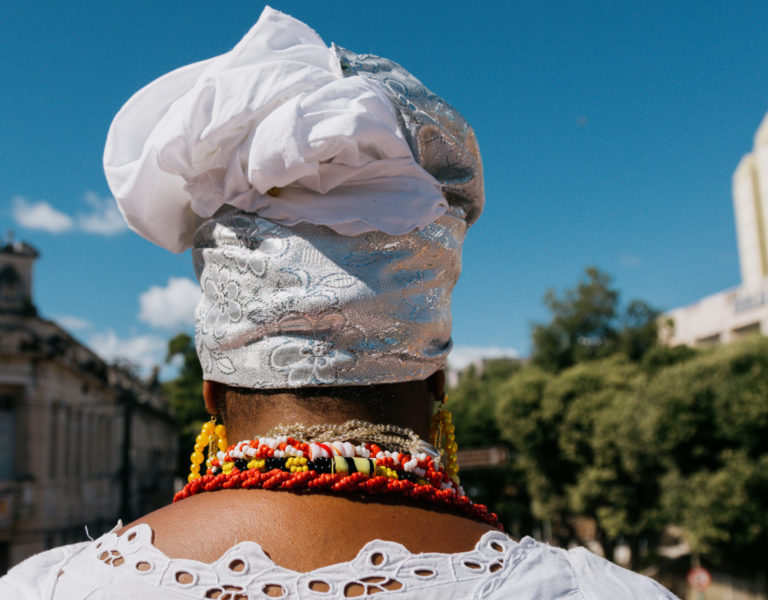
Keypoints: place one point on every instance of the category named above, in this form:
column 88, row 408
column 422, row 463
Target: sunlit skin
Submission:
column 306, row 531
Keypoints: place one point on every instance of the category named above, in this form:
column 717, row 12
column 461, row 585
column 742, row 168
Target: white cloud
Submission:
column 463, row 356
column 40, row 215
column 172, row 306
column 104, row 218
column 144, row 351
column 72, row 322
column 101, row 218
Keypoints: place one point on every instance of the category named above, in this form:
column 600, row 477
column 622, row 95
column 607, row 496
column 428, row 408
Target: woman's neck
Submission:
column 250, row 413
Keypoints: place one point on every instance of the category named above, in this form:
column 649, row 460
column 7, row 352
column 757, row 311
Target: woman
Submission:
column 326, row 196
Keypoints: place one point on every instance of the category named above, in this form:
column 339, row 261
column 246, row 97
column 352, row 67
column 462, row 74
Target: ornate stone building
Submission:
column 79, row 438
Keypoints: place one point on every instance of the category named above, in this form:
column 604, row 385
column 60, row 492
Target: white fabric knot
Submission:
column 271, row 127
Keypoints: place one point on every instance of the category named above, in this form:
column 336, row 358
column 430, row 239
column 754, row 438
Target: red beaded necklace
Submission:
column 332, row 466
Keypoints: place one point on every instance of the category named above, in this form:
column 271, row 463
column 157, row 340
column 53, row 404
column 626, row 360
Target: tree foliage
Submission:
column 473, row 401
column 472, row 404
column 185, row 395
column 708, row 421
column 684, row 443
column 604, row 423
column 587, row 323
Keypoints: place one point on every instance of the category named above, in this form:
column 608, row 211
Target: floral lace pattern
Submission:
column 303, row 305
column 310, row 362
column 223, row 307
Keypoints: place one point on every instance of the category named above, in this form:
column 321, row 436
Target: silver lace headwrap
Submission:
column 440, row 139
column 305, row 306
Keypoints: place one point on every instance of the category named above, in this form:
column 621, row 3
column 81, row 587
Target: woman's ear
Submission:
column 212, row 391
column 436, row 384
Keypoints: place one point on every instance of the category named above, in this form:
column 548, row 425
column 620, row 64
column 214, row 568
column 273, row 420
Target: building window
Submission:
column 77, row 442
column 90, row 436
column 53, row 441
column 709, row 340
column 10, row 284
column 745, row 330
column 68, row 428
column 7, row 436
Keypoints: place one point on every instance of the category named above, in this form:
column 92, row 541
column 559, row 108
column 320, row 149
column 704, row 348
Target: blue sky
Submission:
column 609, row 135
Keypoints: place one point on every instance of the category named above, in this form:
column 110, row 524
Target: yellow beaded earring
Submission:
column 442, row 435
column 212, row 436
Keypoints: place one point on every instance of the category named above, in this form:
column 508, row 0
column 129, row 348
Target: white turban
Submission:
column 281, row 154
column 275, row 112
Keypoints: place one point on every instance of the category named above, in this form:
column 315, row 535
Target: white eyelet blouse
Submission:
column 130, row 567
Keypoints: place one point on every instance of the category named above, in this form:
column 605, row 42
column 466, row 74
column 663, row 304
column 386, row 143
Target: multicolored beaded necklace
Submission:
column 356, row 457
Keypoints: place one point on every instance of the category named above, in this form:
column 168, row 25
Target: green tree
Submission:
column 582, row 325
column 185, row 396
column 665, row 356
column 707, row 420
column 616, row 479
column 527, row 429
column 472, row 403
column 587, row 324
column 562, row 429
column 640, row 330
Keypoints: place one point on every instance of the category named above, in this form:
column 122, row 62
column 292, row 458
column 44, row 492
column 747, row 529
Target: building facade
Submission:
column 79, row 438
column 734, row 313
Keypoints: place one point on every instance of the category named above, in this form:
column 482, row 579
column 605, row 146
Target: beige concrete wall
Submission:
column 748, row 216
column 750, row 204
column 722, row 317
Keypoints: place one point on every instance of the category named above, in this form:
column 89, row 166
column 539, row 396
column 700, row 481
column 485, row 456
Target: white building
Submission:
column 82, row 442
column 740, row 311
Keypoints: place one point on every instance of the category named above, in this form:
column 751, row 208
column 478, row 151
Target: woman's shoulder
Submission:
column 601, row 578
column 597, row 577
